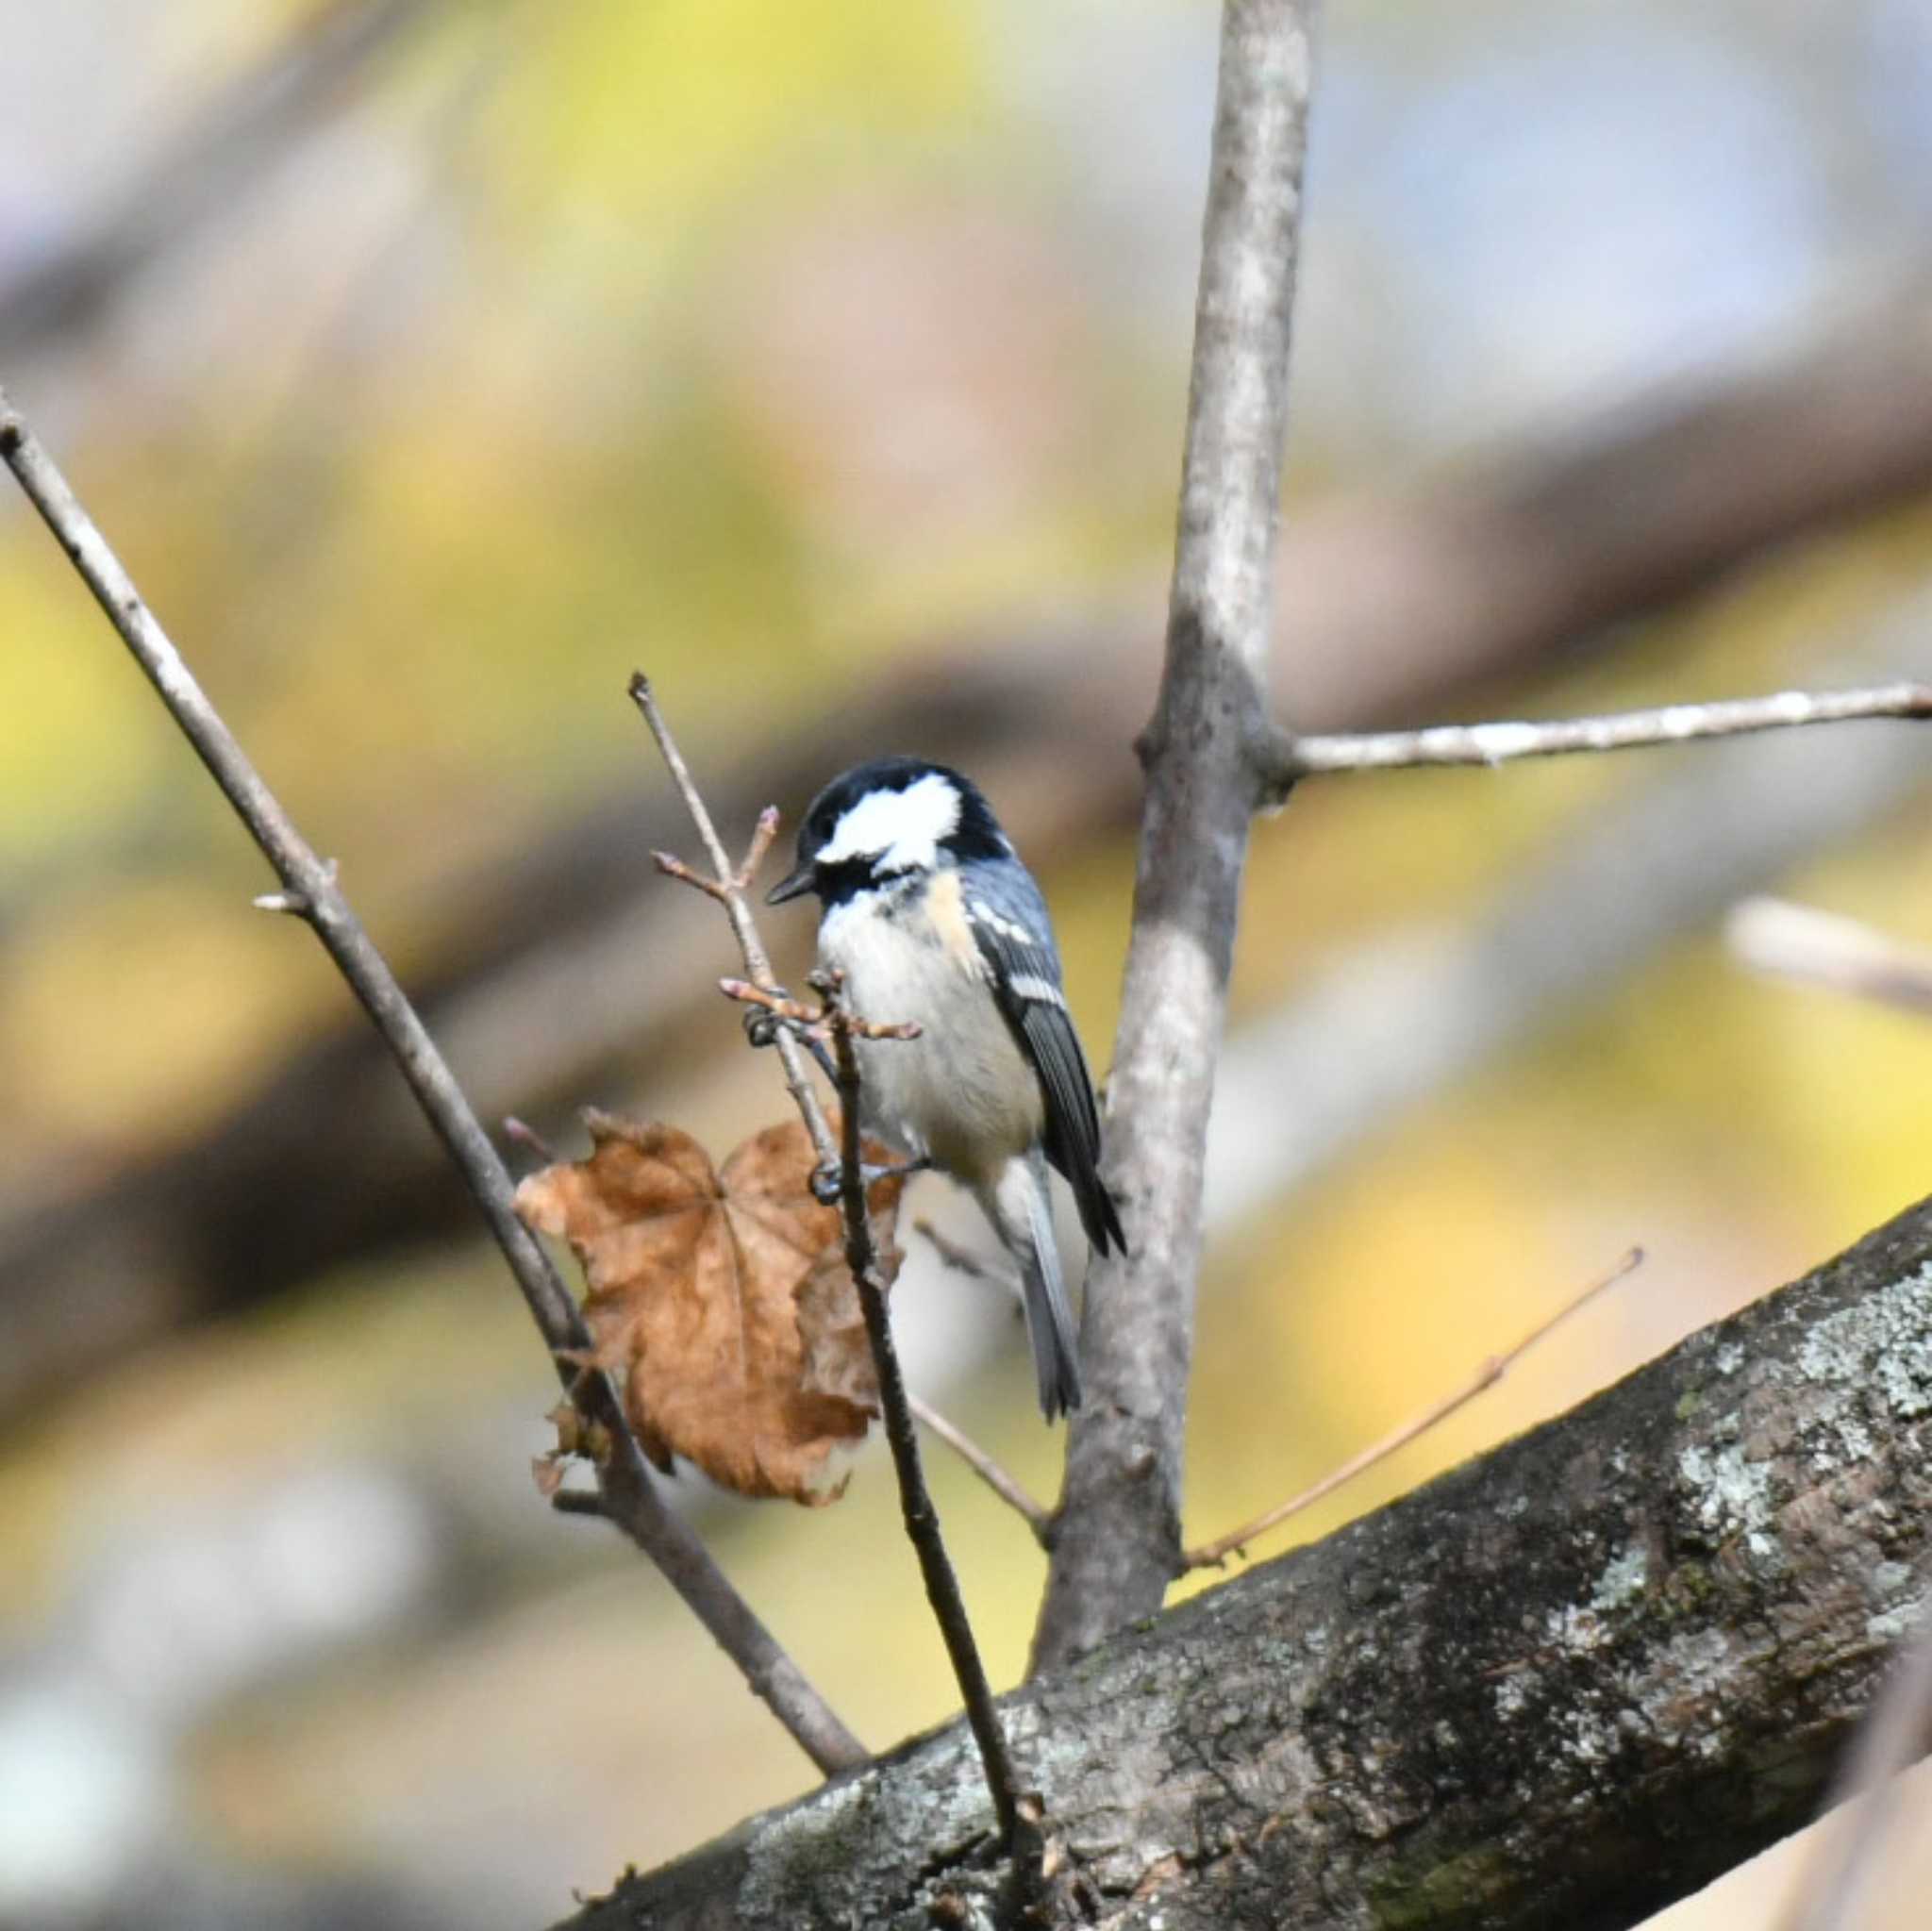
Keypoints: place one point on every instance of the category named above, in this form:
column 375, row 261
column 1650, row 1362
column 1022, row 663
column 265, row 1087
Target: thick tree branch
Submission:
column 309, row 888
column 1559, row 1687
column 1117, row 1542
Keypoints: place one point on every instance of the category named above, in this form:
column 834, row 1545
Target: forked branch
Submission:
column 835, row 1023
column 310, row 890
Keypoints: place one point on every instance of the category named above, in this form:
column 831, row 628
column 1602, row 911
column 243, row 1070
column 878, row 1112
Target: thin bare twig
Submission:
column 1035, row 1515
column 962, row 1259
column 731, row 886
column 915, row 1501
column 1213, row 1555
column 309, row 886
column 1772, row 935
column 1295, row 757
column 728, row 887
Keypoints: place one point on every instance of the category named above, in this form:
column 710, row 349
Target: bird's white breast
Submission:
column 962, row 1093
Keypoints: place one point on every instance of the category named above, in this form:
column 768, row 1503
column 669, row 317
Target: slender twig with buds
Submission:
column 834, row 1021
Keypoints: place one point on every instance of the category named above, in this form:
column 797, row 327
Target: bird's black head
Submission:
column 885, row 819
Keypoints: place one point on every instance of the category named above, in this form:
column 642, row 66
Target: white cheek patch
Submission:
column 900, row 829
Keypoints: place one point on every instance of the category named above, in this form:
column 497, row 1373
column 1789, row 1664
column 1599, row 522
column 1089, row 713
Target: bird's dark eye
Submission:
column 839, row 882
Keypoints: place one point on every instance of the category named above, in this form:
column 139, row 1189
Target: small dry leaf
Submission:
column 721, row 1299
column 831, row 1326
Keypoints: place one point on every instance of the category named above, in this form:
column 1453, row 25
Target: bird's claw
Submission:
column 828, row 1177
column 762, row 1028
column 761, row 1024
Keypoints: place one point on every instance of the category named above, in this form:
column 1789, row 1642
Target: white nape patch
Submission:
column 900, row 830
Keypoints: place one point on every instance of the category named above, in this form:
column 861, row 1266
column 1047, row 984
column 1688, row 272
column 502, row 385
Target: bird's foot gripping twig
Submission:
column 828, row 1177
column 812, row 1025
column 764, row 1025
column 835, row 1024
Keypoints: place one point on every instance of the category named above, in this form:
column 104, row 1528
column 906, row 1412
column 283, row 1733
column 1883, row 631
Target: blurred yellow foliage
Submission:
column 653, row 111
column 130, row 1017
column 83, row 739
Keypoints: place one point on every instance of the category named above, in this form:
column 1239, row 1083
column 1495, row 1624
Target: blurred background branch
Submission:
column 226, row 150
column 1797, row 943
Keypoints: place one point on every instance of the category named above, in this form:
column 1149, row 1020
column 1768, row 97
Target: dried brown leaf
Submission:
column 831, row 1325
column 721, row 1300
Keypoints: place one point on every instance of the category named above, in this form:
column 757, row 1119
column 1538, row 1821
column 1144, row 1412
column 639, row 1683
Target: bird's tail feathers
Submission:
column 1022, row 1209
column 1050, row 1318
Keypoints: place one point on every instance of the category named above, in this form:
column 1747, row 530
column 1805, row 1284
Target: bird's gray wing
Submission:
column 1010, row 923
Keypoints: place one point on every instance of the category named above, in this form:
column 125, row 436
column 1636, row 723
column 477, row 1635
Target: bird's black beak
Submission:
column 799, row 883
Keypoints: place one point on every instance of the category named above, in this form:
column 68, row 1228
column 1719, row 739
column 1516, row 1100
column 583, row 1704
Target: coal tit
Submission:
column 929, row 915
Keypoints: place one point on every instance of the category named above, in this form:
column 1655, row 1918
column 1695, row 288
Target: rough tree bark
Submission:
column 1559, row 1687
column 1116, row 1540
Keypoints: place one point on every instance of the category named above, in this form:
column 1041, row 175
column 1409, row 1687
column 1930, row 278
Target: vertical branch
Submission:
column 1118, row 1539
column 629, row 1498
